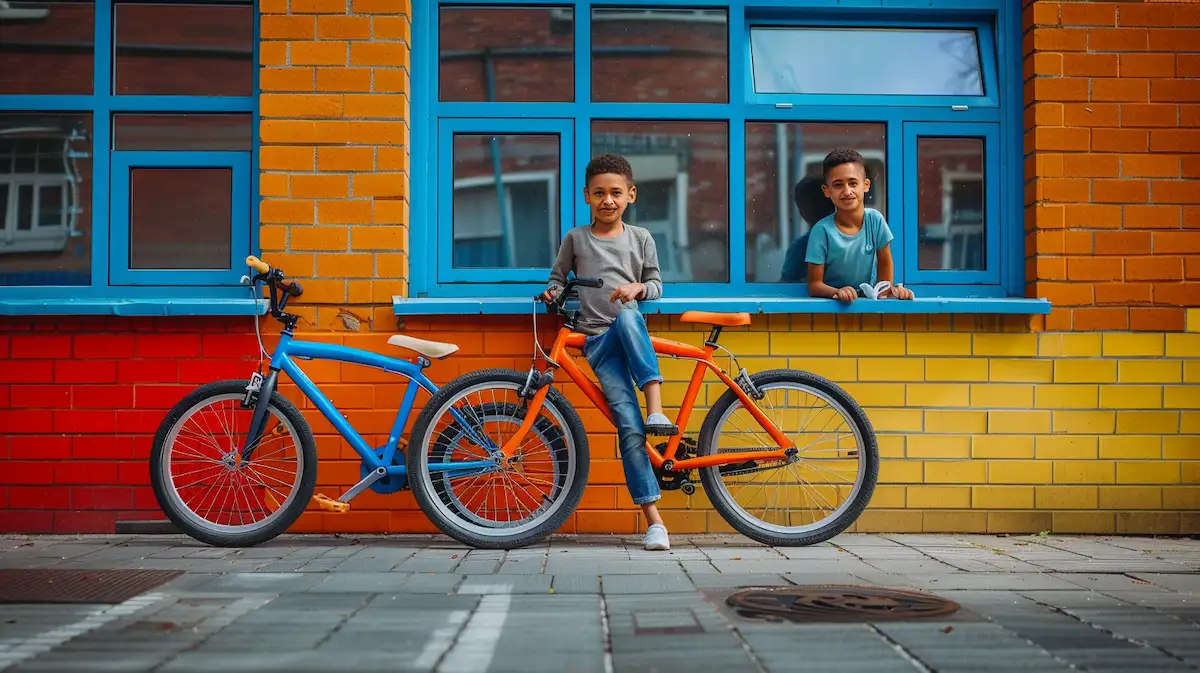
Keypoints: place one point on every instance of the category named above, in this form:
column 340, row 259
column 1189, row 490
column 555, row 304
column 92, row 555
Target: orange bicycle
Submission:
column 536, row 447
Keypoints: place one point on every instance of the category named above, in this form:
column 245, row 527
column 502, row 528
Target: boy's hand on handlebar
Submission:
column 549, row 295
column 627, row 292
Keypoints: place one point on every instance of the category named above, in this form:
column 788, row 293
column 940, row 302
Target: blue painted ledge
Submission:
column 134, row 307
column 754, row 305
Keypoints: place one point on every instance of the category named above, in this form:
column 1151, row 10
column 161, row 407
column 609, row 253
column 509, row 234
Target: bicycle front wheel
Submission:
column 497, row 503
column 809, row 498
column 204, row 487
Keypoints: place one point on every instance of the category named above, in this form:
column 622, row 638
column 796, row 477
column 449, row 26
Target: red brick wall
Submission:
column 1113, row 157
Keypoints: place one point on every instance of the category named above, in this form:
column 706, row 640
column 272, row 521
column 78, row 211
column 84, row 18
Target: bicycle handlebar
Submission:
column 275, row 281
column 556, row 304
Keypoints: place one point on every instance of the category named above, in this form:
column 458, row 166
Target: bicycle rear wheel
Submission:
column 509, row 503
column 815, row 496
column 203, row 486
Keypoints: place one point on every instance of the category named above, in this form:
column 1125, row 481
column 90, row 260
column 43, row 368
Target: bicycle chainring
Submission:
column 674, row 480
column 389, row 484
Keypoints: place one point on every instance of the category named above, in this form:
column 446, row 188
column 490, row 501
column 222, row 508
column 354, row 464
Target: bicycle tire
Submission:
column 425, row 491
column 286, row 516
column 719, row 496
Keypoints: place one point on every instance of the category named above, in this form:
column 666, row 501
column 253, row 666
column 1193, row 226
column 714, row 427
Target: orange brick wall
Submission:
column 1113, row 157
column 334, row 155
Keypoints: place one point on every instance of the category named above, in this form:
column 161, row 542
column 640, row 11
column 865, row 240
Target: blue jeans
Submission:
column 621, row 357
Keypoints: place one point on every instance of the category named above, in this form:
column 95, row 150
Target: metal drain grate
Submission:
column 834, row 603
column 79, row 586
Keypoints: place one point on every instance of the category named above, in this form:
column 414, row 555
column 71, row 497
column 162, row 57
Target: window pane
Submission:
column 783, row 190
column 45, row 199
column 660, row 55
column 681, row 170
column 506, row 212
column 46, row 47
column 510, row 54
column 184, row 50
column 180, row 218
column 951, row 217
column 866, row 61
column 183, row 132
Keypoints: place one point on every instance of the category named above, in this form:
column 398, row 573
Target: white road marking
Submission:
column 473, row 651
column 97, row 617
column 441, row 640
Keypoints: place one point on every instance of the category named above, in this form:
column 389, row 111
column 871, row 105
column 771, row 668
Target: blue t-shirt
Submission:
column 848, row 260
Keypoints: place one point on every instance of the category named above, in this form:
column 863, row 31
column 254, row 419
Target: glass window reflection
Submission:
column 951, row 213
column 184, row 49
column 47, row 47
column 508, row 54
column 660, row 55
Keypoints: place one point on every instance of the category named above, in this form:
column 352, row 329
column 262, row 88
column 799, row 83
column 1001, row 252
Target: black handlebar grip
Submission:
column 590, row 282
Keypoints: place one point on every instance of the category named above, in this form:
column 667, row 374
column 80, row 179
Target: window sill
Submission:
column 134, row 307
column 754, row 305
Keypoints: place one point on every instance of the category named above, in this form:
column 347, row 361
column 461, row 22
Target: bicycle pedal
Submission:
column 329, row 504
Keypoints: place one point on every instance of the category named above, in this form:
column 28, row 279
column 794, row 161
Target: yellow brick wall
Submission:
column 983, row 425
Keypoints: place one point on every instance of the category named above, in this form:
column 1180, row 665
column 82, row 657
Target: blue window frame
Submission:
column 131, row 86
column 725, row 199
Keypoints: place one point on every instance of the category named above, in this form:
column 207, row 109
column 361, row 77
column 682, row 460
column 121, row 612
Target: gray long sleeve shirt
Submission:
column 630, row 257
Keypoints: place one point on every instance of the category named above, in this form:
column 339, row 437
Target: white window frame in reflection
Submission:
column 507, row 179
column 948, row 231
column 39, row 237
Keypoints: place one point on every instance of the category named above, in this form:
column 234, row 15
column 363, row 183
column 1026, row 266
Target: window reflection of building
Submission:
column 950, row 203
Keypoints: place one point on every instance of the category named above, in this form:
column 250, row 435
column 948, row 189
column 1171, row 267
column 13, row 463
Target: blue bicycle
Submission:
column 234, row 463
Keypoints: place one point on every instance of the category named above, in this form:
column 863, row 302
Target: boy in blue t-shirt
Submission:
column 853, row 245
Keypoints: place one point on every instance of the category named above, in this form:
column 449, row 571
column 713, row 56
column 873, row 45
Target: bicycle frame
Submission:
column 703, row 356
column 284, row 359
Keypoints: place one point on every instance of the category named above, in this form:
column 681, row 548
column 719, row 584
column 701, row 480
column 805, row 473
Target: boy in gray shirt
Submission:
column 618, row 346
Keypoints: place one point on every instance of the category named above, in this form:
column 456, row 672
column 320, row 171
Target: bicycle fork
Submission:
column 258, row 393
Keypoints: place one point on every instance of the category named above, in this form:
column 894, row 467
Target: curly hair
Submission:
column 842, row 155
column 608, row 163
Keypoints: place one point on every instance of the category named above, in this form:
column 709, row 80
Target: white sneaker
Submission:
column 660, row 426
column 656, row 538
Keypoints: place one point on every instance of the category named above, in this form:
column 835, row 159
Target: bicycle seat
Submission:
column 722, row 319
column 430, row 349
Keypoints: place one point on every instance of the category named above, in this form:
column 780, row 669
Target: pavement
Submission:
column 602, row 604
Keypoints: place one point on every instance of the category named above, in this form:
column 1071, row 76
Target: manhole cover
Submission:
column 831, row 603
column 79, row 586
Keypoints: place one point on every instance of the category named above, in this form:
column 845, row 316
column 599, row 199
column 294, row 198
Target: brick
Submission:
column 1018, row 472
column 936, row 394
column 392, row 80
column 379, row 53
column 381, row 7
column 377, row 132
column 275, row 158
column 377, row 106
column 1092, row 114
column 1156, row 319
column 1060, row 39
column 286, row 211
column 1091, row 165
column 1066, row 497
column 102, row 396
column 392, row 159
column 1092, row 216
column 319, row 238
column 1002, row 422
column 1124, row 294
column 1063, row 447
column 1150, row 166
column 40, row 346
column 1183, row 345
column 300, row 105
column 1083, row 422
column 1002, row 497
column 1060, row 89
column 1054, row 268
column 956, row 421
column 1120, row 140
column 929, row 343
column 273, row 184
column 1005, row 344
column 1122, row 242
column 39, row 498
column 1181, row 397
column 318, row 53
column 381, row 184
column 1043, row 13
column 1094, row 268
column 1131, row 397
column 935, row 497
column 1001, row 446
column 938, row 446
column 1130, row 497
column 1120, row 191
column 1147, row 65
column 40, row 396
column 1190, row 168
column 344, row 27
column 272, row 53
column 1022, row 371
column 286, row 27
column 344, row 212
column 392, row 28
column 1069, row 345
column 1175, row 140
column 1084, row 471
column 1178, row 294
column 85, row 371
column 1176, row 191
column 346, row 158
column 1059, row 396
column 1118, row 39
column 1089, row 14
column 999, row 395
column 1148, row 472
column 1100, row 319
column 1180, row 448
column 1149, row 114
column 320, row 186
column 955, row 472
column 318, row 6
column 956, row 369
column 1062, row 139
column 1148, row 447
column 1126, row 345
column 286, row 79
column 1154, row 268
column 343, row 79
column 1175, row 242
column 1090, row 65
column 1175, row 90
